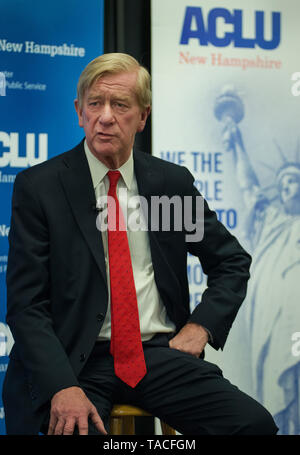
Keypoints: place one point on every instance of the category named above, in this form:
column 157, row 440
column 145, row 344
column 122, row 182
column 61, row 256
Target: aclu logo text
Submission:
column 213, row 29
column 36, row 150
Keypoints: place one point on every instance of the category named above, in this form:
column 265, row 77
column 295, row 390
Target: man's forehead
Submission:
column 123, row 83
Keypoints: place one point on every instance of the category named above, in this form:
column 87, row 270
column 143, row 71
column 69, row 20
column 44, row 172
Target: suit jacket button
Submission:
column 82, row 357
column 100, row 317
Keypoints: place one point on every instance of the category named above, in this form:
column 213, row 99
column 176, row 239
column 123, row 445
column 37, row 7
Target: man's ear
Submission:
column 79, row 112
column 144, row 115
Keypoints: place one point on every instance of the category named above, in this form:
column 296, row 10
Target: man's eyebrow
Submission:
column 121, row 97
column 93, row 96
column 116, row 96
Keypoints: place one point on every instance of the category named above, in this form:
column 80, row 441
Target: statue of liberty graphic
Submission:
column 272, row 224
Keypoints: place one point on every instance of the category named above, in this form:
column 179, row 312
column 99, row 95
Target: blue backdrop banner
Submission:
column 44, row 46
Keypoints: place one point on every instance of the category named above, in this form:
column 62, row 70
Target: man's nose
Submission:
column 106, row 116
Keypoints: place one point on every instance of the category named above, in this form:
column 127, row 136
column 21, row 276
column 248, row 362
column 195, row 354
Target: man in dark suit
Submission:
column 62, row 376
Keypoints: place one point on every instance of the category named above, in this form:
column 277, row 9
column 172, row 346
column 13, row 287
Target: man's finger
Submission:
column 97, row 421
column 69, row 426
column 83, row 426
column 59, row 428
column 52, row 424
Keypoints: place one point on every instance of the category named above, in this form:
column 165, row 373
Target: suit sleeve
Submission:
column 226, row 265
column 28, row 297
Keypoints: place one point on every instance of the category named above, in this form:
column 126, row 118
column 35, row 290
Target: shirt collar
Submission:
column 99, row 170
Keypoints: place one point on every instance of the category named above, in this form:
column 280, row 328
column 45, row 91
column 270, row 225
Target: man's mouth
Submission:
column 105, row 135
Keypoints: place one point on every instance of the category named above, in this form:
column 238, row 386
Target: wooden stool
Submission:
column 122, row 420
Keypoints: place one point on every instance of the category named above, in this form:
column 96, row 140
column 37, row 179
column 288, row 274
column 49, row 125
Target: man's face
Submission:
column 111, row 116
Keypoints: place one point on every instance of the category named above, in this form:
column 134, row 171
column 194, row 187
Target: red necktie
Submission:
column 126, row 344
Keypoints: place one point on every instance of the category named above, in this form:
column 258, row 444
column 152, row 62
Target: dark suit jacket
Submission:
column 56, row 280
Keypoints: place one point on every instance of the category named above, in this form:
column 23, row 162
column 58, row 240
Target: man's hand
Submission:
column 192, row 338
column 70, row 407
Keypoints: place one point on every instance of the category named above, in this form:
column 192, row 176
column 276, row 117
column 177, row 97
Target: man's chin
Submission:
column 103, row 148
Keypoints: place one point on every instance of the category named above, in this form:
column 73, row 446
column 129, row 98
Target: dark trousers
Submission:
column 188, row 393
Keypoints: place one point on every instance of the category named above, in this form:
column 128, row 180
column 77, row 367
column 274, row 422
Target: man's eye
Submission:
column 120, row 105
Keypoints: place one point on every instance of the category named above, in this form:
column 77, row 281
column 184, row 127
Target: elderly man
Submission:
column 102, row 315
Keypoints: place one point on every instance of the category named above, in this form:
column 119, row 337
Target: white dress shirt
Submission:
column 152, row 312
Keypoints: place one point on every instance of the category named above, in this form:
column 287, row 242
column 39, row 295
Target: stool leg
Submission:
column 166, row 429
column 115, row 426
column 128, row 425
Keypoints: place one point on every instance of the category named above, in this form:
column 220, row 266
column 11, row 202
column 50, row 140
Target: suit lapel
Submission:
column 77, row 182
column 150, row 179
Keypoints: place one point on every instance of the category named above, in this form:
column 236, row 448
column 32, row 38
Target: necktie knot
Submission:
column 113, row 177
